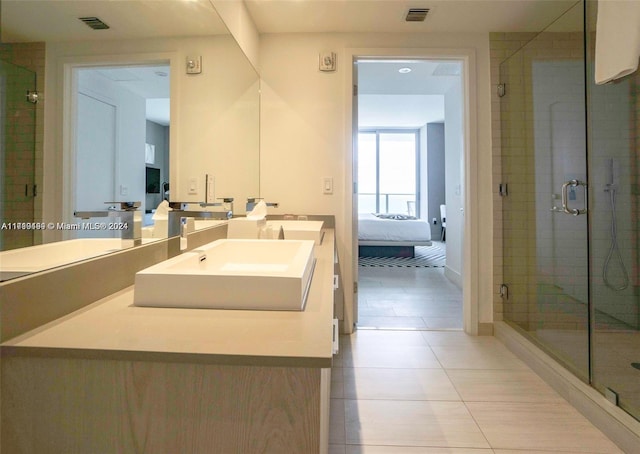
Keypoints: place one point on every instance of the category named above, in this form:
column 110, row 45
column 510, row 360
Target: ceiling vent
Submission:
column 417, row 14
column 94, row 22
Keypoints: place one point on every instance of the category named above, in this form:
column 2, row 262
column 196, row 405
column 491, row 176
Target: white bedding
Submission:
column 373, row 229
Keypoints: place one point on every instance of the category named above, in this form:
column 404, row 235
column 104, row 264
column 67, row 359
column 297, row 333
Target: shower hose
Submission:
column 614, row 250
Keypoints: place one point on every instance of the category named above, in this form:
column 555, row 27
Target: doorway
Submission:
column 121, row 129
column 410, row 162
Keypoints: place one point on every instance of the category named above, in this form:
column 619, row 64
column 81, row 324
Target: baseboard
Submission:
column 453, row 276
column 614, row 422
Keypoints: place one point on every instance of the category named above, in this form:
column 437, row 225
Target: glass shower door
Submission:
column 17, row 156
column 545, row 235
column 614, row 168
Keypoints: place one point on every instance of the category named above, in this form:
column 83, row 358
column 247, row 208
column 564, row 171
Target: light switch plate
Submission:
column 211, row 188
column 193, row 185
column 327, row 185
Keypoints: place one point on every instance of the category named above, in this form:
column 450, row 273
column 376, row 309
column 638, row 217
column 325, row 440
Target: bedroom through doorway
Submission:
column 409, row 172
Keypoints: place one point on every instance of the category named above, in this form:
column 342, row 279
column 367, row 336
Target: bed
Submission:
column 391, row 235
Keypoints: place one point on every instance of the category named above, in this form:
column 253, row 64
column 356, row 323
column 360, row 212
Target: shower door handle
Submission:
column 565, row 197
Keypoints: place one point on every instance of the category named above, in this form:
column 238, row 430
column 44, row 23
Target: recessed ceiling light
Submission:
column 161, row 73
column 404, row 70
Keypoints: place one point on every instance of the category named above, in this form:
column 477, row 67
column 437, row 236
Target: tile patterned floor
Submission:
column 416, row 391
column 408, row 298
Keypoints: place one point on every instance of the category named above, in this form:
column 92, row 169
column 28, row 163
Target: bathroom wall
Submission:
column 304, row 137
column 454, row 181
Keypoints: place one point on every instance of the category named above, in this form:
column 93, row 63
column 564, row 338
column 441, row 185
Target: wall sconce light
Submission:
column 327, row 61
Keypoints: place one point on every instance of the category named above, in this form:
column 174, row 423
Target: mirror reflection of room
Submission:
column 46, row 48
column 122, row 141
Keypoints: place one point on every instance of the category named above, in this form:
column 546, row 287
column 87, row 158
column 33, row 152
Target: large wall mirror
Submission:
column 141, row 101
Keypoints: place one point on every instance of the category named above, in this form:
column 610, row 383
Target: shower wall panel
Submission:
column 543, row 141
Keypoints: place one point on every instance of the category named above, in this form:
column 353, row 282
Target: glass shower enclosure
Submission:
column 17, row 156
column 571, row 216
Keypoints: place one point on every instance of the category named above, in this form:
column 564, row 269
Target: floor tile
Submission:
column 404, row 357
column 553, row 427
column 337, row 449
column 527, row 451
column 414, row 293
column 380, row 338
column 413, row 450
column 502, row 386
column 337, row 383
column 411, row 423
column 477, row 356
column 373, row 321
column 456, row 338
column 443, row 322
column 337, row 434
column 398, row 384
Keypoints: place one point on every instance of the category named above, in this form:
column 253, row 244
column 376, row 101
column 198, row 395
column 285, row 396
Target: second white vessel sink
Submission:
column 231, row 274
column 299, row 230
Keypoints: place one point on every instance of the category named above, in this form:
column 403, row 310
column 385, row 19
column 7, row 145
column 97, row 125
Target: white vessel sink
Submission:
column 299, row 230
column 231, row 274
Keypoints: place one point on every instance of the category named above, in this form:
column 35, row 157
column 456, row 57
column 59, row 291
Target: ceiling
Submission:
column 148, row 82
column 404, row 93
column 57, row 20
column 291, row 16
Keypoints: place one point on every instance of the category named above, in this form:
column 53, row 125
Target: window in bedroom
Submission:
column 388, row 171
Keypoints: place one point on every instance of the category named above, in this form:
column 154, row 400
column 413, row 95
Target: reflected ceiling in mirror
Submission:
column 47, row 20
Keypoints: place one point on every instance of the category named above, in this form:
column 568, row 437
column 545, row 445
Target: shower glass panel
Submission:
column 545, row 235
column 17, row 156
column 614, row 200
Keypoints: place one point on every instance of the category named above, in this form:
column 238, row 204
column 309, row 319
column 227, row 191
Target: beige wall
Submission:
column 304, row 136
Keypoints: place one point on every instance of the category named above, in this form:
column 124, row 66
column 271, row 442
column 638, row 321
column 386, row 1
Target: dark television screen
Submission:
column 153, row 181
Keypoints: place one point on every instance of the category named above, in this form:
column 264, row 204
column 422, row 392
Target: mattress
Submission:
column 374, row 229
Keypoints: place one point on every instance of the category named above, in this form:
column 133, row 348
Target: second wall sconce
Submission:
column 327, row 61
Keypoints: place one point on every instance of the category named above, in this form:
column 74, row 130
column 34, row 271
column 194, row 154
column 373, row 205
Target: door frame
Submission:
column 471, row 235
column 60, row 120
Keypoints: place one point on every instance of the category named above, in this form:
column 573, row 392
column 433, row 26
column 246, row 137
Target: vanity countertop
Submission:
column 112, row 328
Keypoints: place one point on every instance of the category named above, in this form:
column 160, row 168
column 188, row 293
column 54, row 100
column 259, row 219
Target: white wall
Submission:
column 303, row 133
column 454, row 181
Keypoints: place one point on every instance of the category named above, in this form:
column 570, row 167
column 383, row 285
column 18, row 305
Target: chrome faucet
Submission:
column 130, row 218
column 227, row 202
column 179, row 211
column 252, row 201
